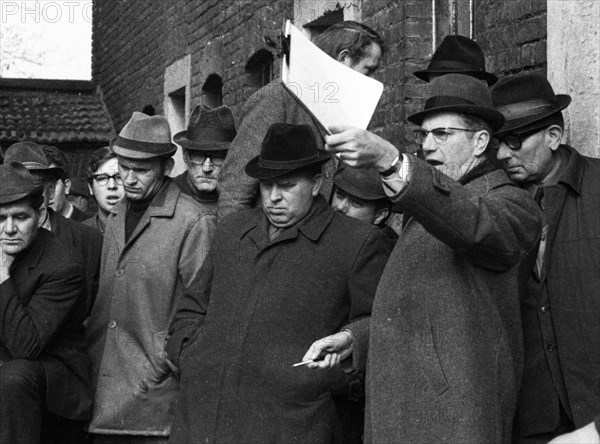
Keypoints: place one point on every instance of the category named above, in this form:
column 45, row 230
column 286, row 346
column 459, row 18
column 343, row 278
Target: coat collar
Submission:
column 31, row 257
column 573, row 171
column 312, row 226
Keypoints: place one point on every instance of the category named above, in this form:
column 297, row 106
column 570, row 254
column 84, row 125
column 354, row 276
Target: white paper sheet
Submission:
column 333, row 93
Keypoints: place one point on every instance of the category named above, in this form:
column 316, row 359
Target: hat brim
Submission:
column 489, row 78
column 360, row 193
column 181, row 139
column 490, row 115
column 38, row 190
column 134, row 154
column 533, row 122
column 254, row 170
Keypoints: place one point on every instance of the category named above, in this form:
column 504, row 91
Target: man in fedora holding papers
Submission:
column 205, row 144
column 561, row 308
column 445, row 346
column 155, row 242
column 276, row 278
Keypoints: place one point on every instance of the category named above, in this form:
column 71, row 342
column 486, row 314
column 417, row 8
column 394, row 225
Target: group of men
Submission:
column 268, row 324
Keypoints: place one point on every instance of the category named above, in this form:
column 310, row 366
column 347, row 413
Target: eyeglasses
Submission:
column 440, row 135
column 515, row 141
column 102, row 179
column 199, row 160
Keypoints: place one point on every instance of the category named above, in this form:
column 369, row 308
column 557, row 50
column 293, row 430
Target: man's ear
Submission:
column 554, row 135
column 344, row 57
column 168, row 166
column 68, row 184
column 381, row 216
column 42, row 216
column 482, row 140
column 317, row 182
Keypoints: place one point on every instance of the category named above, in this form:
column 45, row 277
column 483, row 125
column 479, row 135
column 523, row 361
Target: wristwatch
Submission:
column 394, row 166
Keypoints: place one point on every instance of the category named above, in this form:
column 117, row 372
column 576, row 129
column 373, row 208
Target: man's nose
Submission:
column 207, row 165
column 503, row 152
column 275, row 194
column 130, row 178
column 9, row 226
column 111, row 184
column 341, row 205
column 428, row 143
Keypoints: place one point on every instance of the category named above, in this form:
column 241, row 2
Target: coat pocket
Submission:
column 430, row 360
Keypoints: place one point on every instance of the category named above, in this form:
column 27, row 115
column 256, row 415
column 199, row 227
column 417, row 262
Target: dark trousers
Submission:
column 22, row 396
column 565, row 425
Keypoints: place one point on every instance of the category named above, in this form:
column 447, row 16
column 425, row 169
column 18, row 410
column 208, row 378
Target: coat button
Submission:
column 545, row 309
column 551, row 347
column 120, row 272
column 112, row 324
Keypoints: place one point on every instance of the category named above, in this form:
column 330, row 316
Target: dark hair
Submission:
column 555, row 119
column 352, row 36
column 58, row 158
column 98, row 157
column 476, row 123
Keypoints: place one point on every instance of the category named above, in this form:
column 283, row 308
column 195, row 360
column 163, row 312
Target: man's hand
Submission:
column 333, row 349
column 360, row 148
column 584, row 435
column 6, row 261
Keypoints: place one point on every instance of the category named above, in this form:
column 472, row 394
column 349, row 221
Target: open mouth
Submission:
column 434, row 162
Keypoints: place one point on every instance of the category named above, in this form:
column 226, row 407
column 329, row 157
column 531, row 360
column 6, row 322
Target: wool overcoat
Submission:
column 141, row 281
column 445, row 352
column 42, row 308
column 270, row 104
column 255, row 309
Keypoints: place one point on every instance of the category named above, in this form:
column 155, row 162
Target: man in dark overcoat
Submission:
column 445, row 347
column 561, row 309
column 43, row 364
column 276, row 278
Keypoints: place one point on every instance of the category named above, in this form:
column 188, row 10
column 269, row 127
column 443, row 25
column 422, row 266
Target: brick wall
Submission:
column 512, row 35
column 134, row 41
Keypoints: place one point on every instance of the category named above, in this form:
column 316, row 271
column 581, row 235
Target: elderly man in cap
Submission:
column 561, row 309
column 445, row 349
column 155, row 241
column 81, row 240
column 276, row 278
column 350, row 43
column 205, row 144
column 43, row 364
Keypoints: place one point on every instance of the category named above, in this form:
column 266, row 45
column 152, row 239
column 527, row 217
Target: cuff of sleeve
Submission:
column 396, row 182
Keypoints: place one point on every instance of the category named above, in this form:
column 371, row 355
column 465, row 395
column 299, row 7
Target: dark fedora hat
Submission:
column 458, row 93
column 144, row 137
column 32, row 156
column 526, row 101
column 459, row 55
column 17, row 183
column 208, row 129
column 364, row 183
column 286, row 148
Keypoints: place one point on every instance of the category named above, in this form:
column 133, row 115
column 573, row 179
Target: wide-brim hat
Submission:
column 17, row 183
column 208, row 129
column 79, row 187
column 286, row 148
column 364, row 183
column 459, row 55
column 144, row 137
column 458, row 93
column 31, row 156
column 526, row 101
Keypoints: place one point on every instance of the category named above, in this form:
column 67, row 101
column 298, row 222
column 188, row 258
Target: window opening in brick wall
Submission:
column 212, row 91
column 259, row 68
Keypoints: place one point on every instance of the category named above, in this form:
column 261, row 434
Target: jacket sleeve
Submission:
column 362, row 286
column 191, row 309
column 493, row 230
column 26, row 330
column 237, row 191
column 196, row 247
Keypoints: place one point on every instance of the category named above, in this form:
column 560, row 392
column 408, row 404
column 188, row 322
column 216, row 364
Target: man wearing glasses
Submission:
column 445, row 345
column 205, row 144
column 560, row 395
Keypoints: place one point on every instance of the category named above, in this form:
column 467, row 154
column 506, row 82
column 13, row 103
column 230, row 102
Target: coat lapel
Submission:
column 31, row 257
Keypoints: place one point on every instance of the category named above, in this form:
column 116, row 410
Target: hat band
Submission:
column 528, row 108
column 207, row 135
column 451, row 65
column 284, row 165
column 35, row 166
column 439, row 101
column 138, row 145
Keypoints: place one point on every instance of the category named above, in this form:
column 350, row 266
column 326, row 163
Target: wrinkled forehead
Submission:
column 128, row 162
column 201, row 155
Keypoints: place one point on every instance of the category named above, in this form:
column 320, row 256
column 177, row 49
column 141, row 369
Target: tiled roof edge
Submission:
column 49, row 84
